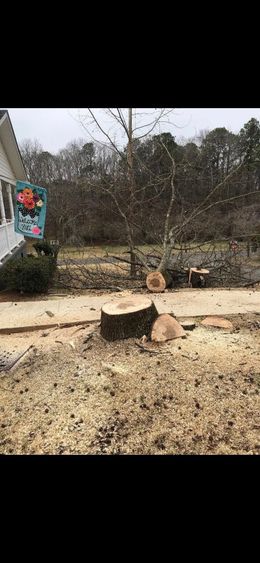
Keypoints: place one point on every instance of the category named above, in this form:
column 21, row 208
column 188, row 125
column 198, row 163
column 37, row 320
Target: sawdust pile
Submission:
column 75, row 393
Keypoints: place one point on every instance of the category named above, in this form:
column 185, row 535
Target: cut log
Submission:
column 197, row 277
column 158, row 281
column 127, row 318
column 165, row 327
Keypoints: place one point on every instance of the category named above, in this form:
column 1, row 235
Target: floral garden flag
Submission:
column 30, row 211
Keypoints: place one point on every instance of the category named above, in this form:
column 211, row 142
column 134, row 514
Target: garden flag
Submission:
column 30, row 211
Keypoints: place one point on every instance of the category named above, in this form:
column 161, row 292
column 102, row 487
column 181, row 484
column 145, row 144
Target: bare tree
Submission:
column 133, row 194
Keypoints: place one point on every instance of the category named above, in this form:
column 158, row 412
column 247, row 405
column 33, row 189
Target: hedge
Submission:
column 30, row 274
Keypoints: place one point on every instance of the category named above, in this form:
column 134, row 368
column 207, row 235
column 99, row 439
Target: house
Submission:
column 11, row 170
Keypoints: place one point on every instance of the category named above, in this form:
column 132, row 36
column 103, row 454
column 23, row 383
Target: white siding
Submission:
column 5, row 168
column 9, row 240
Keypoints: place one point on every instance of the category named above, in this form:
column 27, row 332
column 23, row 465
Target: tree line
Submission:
column 206, row 187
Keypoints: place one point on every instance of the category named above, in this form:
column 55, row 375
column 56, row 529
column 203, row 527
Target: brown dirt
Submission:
column 199, row 395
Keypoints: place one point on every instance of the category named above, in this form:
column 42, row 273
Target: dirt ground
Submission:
column 75, row 393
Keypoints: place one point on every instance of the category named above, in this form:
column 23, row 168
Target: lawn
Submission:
column 103, row 250
column 67, row 251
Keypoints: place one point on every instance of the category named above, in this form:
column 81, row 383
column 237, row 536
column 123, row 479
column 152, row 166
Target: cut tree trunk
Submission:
column 197, row 277
column 130, row 317
column 165, row 327
column 158, row 281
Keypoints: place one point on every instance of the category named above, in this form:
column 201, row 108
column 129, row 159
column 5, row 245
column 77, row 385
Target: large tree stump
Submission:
column 127, row 318
column 158, row 281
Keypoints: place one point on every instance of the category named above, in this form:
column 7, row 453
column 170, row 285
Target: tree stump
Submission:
column 197, row 277
column 127, row 318
column 158, row 281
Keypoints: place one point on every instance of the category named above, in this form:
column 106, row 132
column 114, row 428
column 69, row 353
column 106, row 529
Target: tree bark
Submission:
column 131, row 317
column 133, row 265
column 130, row 163
column 158, row 281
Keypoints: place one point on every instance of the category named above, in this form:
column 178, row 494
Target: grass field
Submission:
column 103, row 250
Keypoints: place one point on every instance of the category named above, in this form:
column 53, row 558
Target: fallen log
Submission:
column 127, row 318
column 158, row 281
column 165, row 327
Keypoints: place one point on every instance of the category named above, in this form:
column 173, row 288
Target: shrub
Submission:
column 2, row 280
column 30, row 274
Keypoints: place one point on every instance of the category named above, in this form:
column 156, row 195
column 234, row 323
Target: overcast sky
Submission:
column 54, row 128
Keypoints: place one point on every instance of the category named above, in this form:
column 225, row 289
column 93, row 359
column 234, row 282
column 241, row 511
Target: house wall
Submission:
column 5, row 167
column 18, row 252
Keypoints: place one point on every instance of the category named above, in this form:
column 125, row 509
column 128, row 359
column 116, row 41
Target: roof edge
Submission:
column 3, row 115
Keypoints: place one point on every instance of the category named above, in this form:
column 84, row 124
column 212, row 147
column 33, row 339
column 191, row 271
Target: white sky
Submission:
column 54, row 128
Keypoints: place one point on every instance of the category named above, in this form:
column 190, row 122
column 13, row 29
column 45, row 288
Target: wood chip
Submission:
column 165, row 327
column 217, row 322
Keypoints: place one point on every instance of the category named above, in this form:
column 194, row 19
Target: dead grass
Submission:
column 80, row 252
column 101, row 251
column 95, row 268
